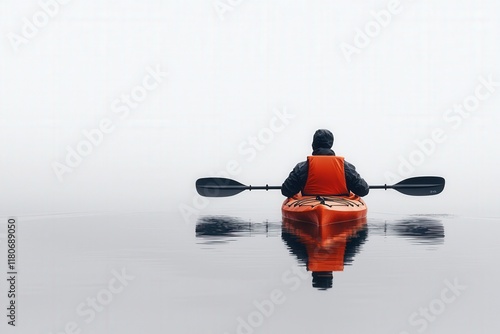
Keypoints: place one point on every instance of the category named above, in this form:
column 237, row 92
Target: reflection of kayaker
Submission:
column 324, row 249
column 418, row 229
column 325, row 188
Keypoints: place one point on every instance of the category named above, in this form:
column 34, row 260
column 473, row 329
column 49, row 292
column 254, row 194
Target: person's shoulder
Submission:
column 301, row 165
column 348, row 164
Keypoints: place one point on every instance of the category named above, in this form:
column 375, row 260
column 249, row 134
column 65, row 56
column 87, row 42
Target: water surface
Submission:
column 230, row 274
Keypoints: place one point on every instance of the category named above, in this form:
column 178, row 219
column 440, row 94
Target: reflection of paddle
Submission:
column 414, row 186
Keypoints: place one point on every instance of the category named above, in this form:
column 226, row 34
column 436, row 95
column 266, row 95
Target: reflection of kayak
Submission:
column 326, row 244
column 324, row 249
column 324, row 210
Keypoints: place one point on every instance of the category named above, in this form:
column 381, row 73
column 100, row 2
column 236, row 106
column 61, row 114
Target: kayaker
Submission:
column 327, row 175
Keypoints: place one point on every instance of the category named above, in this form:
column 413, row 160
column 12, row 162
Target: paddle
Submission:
column 417, row 186
column 414, row 186
column 222, row 187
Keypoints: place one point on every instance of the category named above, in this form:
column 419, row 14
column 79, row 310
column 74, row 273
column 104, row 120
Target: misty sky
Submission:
column 154, row 94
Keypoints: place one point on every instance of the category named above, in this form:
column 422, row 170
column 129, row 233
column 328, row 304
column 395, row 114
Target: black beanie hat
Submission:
column 322, row 139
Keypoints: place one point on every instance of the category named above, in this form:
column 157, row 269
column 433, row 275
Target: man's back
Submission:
column 322, row 143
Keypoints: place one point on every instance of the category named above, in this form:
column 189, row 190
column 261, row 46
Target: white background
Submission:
column 227, row 72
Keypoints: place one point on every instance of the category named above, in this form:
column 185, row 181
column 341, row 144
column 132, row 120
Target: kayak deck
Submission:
column 323, row 210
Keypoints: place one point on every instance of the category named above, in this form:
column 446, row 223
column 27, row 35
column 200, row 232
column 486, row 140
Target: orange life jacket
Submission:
column 326, row 176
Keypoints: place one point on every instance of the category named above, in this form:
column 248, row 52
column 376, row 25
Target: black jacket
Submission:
column 296, row 181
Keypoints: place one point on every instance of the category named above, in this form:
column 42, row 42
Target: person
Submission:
column 324, row 173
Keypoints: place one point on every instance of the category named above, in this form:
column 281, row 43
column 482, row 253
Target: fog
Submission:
column 185, row 89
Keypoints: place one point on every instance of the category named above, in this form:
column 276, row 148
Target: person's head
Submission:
column 322, row 139
column 322, row 280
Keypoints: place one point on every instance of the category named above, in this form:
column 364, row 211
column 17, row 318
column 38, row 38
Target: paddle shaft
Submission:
column 268, row 187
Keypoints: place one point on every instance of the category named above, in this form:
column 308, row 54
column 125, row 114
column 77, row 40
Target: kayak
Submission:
column 324, row 210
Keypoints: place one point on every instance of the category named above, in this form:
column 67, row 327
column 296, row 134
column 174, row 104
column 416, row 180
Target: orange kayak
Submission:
column 324, row 210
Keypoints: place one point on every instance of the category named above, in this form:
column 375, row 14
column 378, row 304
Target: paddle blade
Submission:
column 420, row 186
column 218, row 187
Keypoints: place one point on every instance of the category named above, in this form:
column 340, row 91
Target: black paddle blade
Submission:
column 218, row 187
column 420, row 186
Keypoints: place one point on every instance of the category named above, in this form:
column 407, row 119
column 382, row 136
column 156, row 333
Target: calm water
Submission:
column 150, row 273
